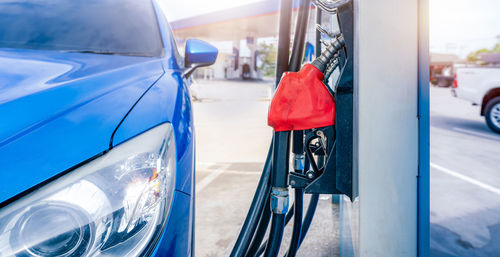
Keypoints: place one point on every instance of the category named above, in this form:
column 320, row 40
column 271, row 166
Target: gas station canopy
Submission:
column 258, row 20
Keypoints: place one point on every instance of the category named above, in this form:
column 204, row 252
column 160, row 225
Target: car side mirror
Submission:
column 198, row 53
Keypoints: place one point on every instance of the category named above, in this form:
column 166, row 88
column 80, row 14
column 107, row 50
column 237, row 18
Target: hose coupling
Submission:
column 279, row 200
column 298, row 162
column 321, row 62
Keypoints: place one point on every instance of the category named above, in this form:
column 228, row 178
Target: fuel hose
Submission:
column 258, row 206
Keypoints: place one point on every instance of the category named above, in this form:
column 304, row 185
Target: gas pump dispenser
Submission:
column 312, row 118
column 378, row 143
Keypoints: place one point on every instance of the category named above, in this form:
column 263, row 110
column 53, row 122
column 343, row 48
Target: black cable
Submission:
column 311, row 209
column 260, row 233
column 279, row 191
column 283, row 38
column 318, row 34
column 305, row 224
column 280, row 160
column 297, row 223
column 289, row 215
column 261, row 249
column 256, row 209
column 298, row 142
column 256, row 249
column 299, row 37
column 275, row 235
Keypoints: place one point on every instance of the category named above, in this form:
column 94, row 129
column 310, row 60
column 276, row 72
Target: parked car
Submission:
column 481, row 86
column 441, row 76
column 96, row 130
column 441, row 69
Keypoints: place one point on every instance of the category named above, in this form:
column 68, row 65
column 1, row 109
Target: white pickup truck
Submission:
column 481, row 86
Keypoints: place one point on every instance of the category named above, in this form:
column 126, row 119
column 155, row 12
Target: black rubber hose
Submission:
column 257, row 248
column 262, row 247
column 318, row 34
column 300, row 35
column 311, row 209
column 283, row 38
column 297, row 223
column 260, row 233
column 305, row 224
column 256, row 209
column 275, row 235
column 298, row 141
column 279, row 191
column 280, row 160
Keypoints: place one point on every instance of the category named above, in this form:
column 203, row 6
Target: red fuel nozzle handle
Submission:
column 302, row 101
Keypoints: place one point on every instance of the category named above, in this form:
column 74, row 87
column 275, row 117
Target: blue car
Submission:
column 96, row 130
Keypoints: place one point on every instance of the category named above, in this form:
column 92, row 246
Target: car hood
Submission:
column 60, row 109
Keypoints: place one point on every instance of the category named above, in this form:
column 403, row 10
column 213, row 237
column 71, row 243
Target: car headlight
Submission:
column 114, row 205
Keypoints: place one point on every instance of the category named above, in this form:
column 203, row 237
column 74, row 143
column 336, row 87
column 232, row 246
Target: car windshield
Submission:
column 123, row 27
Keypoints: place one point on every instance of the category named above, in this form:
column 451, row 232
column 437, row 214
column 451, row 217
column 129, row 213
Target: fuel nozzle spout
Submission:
column 321, row 62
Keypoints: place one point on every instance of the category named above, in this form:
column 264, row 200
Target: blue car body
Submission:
column 59, row 110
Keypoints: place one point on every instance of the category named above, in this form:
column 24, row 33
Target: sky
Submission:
column 456, row 26
column 462, row 26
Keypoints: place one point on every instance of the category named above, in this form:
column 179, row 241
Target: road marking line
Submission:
column 467, row 179
column 476, row 133
column 232, row 172
column 206, row 163
column 208, row 179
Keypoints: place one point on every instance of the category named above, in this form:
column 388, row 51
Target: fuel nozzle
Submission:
column 322, row 61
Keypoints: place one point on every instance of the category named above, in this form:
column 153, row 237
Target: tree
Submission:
column 267, row 56
column 475, row 56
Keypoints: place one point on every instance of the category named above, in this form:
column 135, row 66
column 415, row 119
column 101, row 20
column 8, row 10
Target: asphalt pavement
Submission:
column 232, row 140
column 465, row 180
